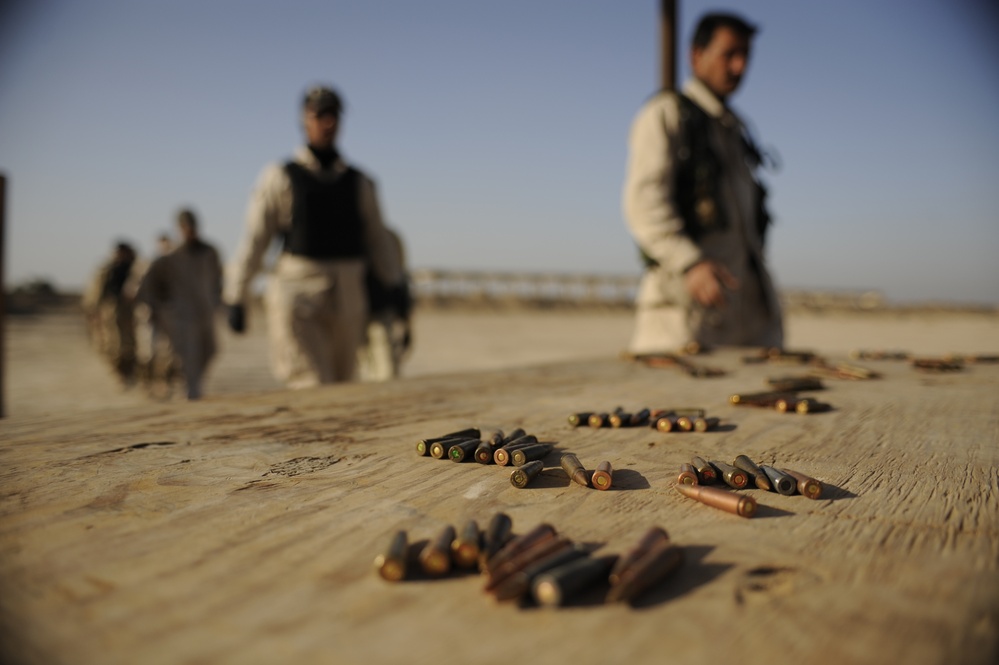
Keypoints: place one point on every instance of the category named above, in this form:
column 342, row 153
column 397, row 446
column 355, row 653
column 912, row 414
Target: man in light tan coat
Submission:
column 695, row 207
column 327, row 217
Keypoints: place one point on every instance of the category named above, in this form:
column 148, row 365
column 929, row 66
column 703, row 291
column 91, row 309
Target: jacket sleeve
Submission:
column 262, row 219
column 383, row 252
column 649, row 200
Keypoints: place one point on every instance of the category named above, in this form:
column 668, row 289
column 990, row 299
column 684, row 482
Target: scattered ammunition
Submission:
column 790, row 384
column 466, row 547
column 574, row 469
column 513, row 436
column 523, row 475
column 688, row 475
column 843, row 371
column 654, row 537
column 484, row 453
column 733, row 477
column 749, row 466
column 971, row 359
column 529, row 556
column 618, row 419
column 705, row 424
column 560, row 584
column 811, row 406
column 640, row 418
column 602, row 419
column 936, row 365
column 780, row 356
column 741, row 505
column 536, row 451
column 768, row 398
column 705, row 472
column 463, row 450
column 391, row 564
column 423, row 446
column 807, row 486
column 666, row 423
column 652, row 568
column 498, row 533
column 785, row 404
column 495, row 438
column 520, row 440
column 861, row 354
column 518, row 584
column 435, row 558
column 685, row 423
column 782, row 483
column 603, row 477
column 441, row 449
column 579, row 419
column 515, row 546
column 502, row 456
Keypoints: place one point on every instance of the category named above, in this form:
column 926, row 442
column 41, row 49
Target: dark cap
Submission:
column 321, row 99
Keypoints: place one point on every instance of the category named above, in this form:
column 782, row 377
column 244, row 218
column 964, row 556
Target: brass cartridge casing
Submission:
column 705, row 424
column 580, row 419
column 518, row 584
column 467, row 546
column 618, row 419
column 440, row 449
column 498, row 533
column 653, row 567
column 463, row 450
column 666, row 423
column 782, row 483
column 685, row 423
column 756, row 473
column 484, row 453
column 535, row 451
column 807, row 486
column 516, row 545
column 688, row 475
column 559, row 585
column 574, row 469
column 523, row 475
column 651, row 539
column 737, row 504
column 705, row 472
column 811, row 406
column 391, row 564
column 435, row 558
column 603, row 476
column 531, row 555
column 502, row 456
column 733, row 477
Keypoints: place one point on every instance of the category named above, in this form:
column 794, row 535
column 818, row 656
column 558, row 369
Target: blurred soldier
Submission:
column 327, row 217
column 183, row 289
column 696, row 209
column 162, row 368
column 389, row 333
column 109, row 309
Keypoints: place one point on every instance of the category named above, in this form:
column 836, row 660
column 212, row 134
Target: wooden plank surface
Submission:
column 243, row 529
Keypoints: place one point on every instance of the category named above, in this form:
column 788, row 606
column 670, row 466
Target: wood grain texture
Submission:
column 243, row 529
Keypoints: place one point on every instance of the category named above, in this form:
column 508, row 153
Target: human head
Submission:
column 188, row 225
column 321, row 109
column 123, row 252
column 719, row 52
column 164, row 243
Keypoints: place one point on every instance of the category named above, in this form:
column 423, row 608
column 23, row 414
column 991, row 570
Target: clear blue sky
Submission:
column 497, row 130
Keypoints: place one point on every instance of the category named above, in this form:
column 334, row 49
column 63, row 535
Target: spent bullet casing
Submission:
column 535, row 451
column 654, row 537
column 515, row 546
column 391, row 564
column 603, row 476
column 518, row 584
column 781, row 482
column 741, row 505
column 705, row 472
column 655, row 566
column 688, row 475
column 467, row 546
column 523, row 475
column 559, row 585
column 580, row 419
column 463, row 450
column 756, row 473
column 807, row 486
column 574, row 469
column 498, row 533
column 435, row 558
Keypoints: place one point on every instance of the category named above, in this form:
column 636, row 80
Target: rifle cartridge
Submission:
column 651, row 539
column 666, row 423
column 618, row 419
column 515, row 546
column 498, row 533
column 435, row 558
column 688, row 475
column 513, row 436
column 467, row 546
column 391, row 564
column 768, row 398
column 782, row 483
column 423, row 446
column 756, row 473
column 561, row 584
column 655, row 566
column 484, row 453
column 523, row 475
column 705, row 472
column 640, row 418
column 741, row 505
column 463, row 450
column 785, row 404
column 535, row 451
column 531, row 555
column 807, row 486
column 597, row 420
column 685, row 423
column 441, row 449
column 502, row 456
column 811, row 406
column 579, row 419
column 603, row 476
column 706, row 424
column 732, row 476
column 518, row 584
column 574, row 469
column 494, row 439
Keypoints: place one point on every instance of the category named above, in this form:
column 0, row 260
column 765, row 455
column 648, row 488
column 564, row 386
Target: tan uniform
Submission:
column 111, row 320
column 667, row 317
column 316, row 308
column 183, row 290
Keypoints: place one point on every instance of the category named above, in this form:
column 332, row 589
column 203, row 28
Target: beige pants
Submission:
column 316, row 314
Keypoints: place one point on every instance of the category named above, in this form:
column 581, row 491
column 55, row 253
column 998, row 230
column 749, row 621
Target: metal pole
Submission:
column 3, row 293
column 667, row 44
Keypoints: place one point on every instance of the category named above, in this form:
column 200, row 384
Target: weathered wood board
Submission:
column 244, row 529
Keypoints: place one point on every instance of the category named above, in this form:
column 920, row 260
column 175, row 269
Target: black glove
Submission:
column 237, row 318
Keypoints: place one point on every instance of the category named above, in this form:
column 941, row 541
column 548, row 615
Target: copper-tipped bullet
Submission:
column 688, row 475
column 807, row 486
column 559, row 585
column 580, row 419
column 603, row 476
column 652, row 538
column 435, row 558
column 655, row 566
column 523, row 475
column 758, row 477
column 782, row 483
column 737, row 504
column 535, row 451
column 391, row 564
column 519, row 583
column 733, row 477
column 574, row 469
column 467, row 546
column 705, row 472
column 515, row 546
column 531, row 555
column 705, row 424
column 463, row 450
column 498, row 533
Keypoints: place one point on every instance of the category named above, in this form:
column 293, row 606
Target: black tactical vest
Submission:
column 326, row 220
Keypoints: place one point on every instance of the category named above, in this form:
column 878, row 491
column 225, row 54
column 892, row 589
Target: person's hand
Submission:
column 707, row 281
column 237, row 318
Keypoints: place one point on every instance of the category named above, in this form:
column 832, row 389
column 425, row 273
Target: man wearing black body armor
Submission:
column 695, row 207
column 326, row 215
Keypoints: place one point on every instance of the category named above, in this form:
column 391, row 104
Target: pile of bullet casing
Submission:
column 540, row 565
column 687, row 419
column 781, row 401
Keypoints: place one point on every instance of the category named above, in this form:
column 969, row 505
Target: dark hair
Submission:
column 187, row 217
column 709, row 23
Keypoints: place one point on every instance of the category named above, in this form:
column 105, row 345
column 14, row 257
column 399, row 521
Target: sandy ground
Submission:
column 50, row 367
